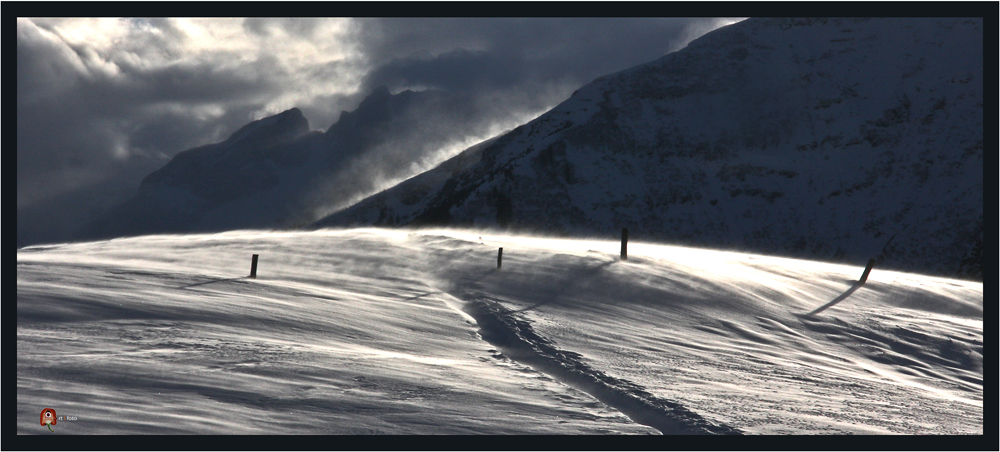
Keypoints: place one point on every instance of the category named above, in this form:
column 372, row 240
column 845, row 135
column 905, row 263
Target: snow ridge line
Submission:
column 515, row 338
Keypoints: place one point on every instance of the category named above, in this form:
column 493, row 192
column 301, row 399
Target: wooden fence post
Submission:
column 624, row 244
column 868, row 269
column 253, row 267
column 499, row 257
column 856, row 286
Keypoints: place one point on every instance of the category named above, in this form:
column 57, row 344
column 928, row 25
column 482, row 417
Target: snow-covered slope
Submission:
column 275, row 172
column 389, row 331
column 833, row 139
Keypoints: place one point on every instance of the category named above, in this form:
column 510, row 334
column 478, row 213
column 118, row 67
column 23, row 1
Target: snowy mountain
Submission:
column 275, row 172
column 833, row 139
column 382, row 331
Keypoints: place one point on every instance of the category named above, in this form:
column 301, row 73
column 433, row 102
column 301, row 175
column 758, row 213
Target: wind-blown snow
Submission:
column 416, row 331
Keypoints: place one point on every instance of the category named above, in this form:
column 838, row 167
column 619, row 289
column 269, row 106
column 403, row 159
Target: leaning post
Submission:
column 868, row 269
column 499, row 257
column 253, row 267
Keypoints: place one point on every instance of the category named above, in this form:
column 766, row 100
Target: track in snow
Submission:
column 516, row 338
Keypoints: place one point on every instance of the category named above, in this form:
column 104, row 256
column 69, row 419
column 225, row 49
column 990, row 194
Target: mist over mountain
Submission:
column 832, row 139
column 276, row 172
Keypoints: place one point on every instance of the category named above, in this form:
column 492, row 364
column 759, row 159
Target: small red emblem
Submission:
column 48, row 418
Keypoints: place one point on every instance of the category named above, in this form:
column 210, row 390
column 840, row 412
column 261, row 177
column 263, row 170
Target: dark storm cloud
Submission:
column 95, row 116
column 80, row 102
column 73, row 113
column 505, row 53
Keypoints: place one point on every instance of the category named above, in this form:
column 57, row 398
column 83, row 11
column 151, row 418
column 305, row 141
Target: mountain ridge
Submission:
column 835, row 139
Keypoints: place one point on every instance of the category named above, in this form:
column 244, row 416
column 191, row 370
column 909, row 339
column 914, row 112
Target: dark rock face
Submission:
column 830, row 139
column 233, row 168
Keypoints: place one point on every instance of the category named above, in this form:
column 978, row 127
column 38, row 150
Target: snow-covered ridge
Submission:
column 370, row 331
column 834, row 139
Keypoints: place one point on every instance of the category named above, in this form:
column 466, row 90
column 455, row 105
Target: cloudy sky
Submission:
column 102, row 102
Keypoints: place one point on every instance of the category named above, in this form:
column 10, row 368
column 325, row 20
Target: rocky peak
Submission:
column 378, row 107
column 287, row 125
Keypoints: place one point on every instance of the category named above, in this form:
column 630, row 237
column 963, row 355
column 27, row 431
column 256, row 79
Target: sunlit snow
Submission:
column 417, row 332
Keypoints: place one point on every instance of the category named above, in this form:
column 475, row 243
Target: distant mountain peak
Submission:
column 287, row 125
column 380, row 91
column 380, row 106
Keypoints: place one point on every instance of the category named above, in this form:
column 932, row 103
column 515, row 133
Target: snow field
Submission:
column 166, row 334
column 725, row 335
column 375, row 331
